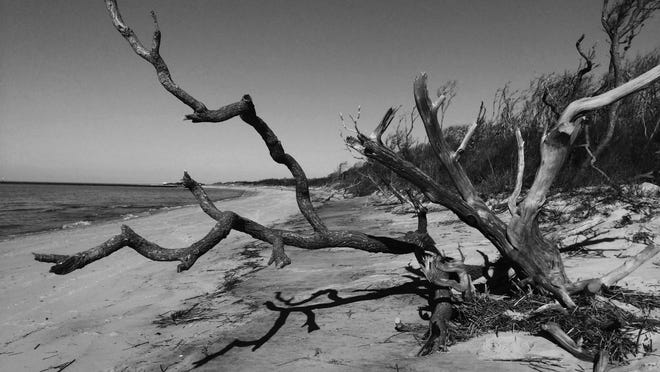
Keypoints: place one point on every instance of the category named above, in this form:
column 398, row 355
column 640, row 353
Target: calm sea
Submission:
column 27, row 208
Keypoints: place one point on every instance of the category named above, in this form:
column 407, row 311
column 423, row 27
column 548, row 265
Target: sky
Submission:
column 77, row 105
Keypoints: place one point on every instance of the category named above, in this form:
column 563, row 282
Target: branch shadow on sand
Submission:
column 288, row 306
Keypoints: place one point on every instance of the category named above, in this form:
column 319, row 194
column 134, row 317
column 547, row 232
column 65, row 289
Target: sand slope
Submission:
column 332, row 309
column 95, row 315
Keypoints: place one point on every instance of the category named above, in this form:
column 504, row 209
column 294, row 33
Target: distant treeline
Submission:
column 314, row 182
column 491, row 156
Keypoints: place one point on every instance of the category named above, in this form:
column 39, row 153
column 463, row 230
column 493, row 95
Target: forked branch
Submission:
column 428, row 111
column 152, row 56
column 321, row 237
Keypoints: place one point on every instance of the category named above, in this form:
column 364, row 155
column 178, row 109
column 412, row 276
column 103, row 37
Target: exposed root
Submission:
column 566, row 342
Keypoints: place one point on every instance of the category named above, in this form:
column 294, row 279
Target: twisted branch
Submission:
column 322, row 237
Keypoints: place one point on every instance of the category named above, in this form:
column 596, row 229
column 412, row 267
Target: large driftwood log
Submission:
column 532, row 256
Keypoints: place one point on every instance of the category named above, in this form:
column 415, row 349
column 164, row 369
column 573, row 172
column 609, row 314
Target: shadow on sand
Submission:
column 414, row 286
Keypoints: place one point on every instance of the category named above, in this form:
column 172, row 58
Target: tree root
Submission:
column 566, row 342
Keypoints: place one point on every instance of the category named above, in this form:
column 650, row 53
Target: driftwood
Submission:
column 532, row 255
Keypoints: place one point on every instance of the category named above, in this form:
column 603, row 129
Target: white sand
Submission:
column 94, row 315
column 102, row 316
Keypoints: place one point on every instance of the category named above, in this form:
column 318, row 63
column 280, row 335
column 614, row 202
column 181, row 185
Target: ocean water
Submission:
column 27, row 208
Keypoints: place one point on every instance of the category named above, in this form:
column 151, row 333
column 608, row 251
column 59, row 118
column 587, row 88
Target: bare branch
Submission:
column 588, row 66
column 412, row 122
column 602, row 361
column 341, row 117
column 614, row 276
column 377, row 134
column 128, row 238
column 155, row 42
column 566, row 342
column 592, row 162
column 546, row 101
column 428, row 112
column 466, row 140
column 592, row 103
column 519, row 178
column 152, row 56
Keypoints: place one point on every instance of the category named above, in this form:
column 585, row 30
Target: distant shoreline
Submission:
column 88, row 184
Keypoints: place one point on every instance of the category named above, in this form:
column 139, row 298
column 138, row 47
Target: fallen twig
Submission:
column 136, row 345
column 59, row 367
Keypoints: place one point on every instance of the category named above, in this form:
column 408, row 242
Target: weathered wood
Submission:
column 513, row 199
column 567, row 342
column 594, row 285
column 322, row 237
column 520, row 241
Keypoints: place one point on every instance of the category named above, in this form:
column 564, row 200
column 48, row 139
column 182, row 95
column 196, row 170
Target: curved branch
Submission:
column 556, row 144
column 377, row 134
column 428, row 112
column 152, row 56
column 279, row 156
column 129, row 238
column 244, row 108
column 583, row 105
column 567, row 342
column 588, row 66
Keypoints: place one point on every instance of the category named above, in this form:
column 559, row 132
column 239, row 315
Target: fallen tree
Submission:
column 535, row 259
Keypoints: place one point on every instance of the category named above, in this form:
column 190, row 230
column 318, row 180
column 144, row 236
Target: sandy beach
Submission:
column 331, row 309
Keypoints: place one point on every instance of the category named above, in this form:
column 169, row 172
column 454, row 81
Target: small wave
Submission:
column 76, row 224
column 129, row 216
column 121, row 206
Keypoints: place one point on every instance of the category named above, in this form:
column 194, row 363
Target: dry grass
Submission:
column 600, row 324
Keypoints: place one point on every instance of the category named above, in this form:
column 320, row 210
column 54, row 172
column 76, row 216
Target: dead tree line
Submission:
column 534, row 257
column 622, row 20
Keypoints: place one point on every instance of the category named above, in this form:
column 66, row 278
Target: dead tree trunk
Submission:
column 520, row 240
column 533, row 257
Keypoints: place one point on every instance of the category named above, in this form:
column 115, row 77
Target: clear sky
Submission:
column 76, row 104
